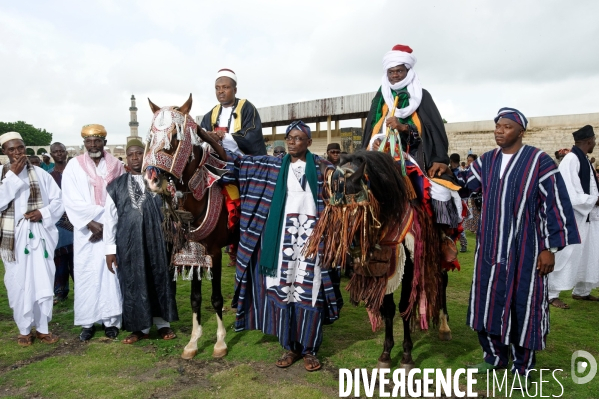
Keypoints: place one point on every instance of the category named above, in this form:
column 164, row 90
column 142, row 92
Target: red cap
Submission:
column 401, row 47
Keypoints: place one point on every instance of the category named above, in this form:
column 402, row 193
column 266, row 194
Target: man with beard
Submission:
column 135, row 246
column 84, row 181
column 63, row 255
column 30, row 205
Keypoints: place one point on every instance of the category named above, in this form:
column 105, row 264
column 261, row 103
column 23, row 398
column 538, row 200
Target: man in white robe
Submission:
column 84, row 180
column 30, row 206
column 577, row 266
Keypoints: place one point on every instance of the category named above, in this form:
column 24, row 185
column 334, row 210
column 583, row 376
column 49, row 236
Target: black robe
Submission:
column 142, row 258
column 249, row 138
column 434, row 145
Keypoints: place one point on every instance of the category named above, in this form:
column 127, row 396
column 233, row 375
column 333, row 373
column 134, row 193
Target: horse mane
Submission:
column 385, row 181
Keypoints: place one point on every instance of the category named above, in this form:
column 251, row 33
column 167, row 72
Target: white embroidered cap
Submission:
column 10, row 136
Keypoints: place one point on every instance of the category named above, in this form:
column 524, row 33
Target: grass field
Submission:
column 153, row 368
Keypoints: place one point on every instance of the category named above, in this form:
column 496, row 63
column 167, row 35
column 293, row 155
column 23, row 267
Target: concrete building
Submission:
column 549, row 133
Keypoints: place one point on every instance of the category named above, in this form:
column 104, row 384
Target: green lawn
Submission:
column 153, row 368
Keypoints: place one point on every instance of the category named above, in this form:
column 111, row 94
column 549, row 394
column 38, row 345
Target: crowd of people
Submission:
column 91, row 220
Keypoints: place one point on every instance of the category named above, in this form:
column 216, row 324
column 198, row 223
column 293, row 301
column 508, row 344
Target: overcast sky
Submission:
column 66, row 63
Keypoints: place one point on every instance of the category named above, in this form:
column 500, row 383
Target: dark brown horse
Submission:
column 392, row 242
column 174, row 154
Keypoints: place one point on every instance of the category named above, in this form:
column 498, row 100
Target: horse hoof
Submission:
column 189, row 354
column 383, row 365
column 445, row 335
column 218, row 353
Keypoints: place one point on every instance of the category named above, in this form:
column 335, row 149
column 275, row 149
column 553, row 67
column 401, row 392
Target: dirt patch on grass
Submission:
column 68, row 346
column 197, row 374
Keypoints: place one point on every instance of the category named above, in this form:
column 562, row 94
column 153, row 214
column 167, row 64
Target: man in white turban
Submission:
column 30, row 206
column 402, row 104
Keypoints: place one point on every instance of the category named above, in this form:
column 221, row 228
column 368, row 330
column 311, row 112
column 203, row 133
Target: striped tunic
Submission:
column 259, row 308
column 523, row 213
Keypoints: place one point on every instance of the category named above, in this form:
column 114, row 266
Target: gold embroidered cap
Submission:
column 93, row 130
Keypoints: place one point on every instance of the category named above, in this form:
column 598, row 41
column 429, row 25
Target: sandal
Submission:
column 585, row 298
column 311, row 363
column 134, row 337
column 558, row 303
column 25, row 340
column 166, row 333
column 47, row 338
column 288, row 359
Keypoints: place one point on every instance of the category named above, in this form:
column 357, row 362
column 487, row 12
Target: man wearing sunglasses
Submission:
column 334, row 153
column 279, row 151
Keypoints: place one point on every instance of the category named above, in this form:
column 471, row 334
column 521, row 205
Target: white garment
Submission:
column 97, row 292
column 29, row 280
column 299, row 169
column 300, row 202
column 394, row 58
column 578, row 263
column 229, row 142
column 159, row 322
column 505, row 159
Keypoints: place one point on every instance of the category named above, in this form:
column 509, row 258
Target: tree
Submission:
column 32, row 136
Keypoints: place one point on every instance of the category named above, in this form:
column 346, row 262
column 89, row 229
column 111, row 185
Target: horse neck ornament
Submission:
column 172, row 154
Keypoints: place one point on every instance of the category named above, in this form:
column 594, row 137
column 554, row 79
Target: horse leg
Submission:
column 191, row 349
column 388, row 313
column 220, row 348
column 406, row 288
column 444, row 330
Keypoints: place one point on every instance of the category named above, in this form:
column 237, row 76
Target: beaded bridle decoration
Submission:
column 167, row 122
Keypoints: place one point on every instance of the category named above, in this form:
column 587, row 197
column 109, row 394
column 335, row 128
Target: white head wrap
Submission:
column 228, row 73
column 394, row 58
column 10, row 136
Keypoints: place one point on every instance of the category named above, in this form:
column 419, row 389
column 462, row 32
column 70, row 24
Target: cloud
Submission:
column 70, row 63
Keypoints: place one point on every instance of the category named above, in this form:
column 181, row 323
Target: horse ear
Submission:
column 357, row 175
column 153, row 106
column 185, row 108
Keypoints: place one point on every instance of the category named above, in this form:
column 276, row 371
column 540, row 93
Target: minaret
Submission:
column 133, row 124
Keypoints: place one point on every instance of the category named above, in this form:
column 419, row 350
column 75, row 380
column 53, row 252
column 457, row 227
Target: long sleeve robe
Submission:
column 434, row 138
column 246, row 128
column 30, row 279
column 524, row 212
column 132, row 231
column 97, row 292
column 260, row 303
column 578, row 263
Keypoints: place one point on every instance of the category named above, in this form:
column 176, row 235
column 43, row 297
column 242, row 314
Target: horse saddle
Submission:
column 377, row 264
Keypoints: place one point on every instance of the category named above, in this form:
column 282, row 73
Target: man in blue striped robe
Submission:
column 526, row 217
column 278, row 290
